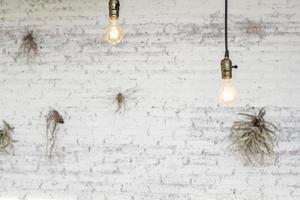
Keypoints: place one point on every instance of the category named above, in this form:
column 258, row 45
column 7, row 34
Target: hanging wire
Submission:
column 226, row 29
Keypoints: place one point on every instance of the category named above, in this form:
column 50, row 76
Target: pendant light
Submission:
column 114, row 32
column 227, row 91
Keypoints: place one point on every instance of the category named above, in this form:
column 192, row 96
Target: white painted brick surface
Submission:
column 173, row 144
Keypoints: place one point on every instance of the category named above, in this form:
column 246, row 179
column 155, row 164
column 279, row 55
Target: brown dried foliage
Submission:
column 120, row 98
column 6, row 141
column 29, row 46
column 53, row 119
column 254, row 137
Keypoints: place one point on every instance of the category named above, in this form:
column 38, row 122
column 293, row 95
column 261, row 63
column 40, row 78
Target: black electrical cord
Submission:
column 226, row 33
column 226, row 29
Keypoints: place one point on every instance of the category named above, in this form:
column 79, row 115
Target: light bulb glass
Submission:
column 114, row 32
column 227, row 93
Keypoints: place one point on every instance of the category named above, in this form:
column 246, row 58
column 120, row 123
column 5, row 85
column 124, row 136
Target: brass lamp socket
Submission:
column 114, row 9
column 226, row 68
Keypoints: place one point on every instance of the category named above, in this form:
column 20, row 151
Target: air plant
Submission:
column 120, row 98
column 53, row 119
column 29, row 46
column 254, row 137
column 6, row 141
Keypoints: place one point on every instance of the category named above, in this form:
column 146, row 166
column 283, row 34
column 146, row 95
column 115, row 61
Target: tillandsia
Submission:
column 53, row 119
column 6, row 141
column 254, row 136
column 120, row 98
column 29, row 46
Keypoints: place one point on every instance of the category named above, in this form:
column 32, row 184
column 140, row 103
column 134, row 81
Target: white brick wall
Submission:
column 172, row 145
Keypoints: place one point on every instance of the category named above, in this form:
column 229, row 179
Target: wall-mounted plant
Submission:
column 6, row 141
column 53, row 119
column 121, row 98
column 29, row 47
column 254, row 136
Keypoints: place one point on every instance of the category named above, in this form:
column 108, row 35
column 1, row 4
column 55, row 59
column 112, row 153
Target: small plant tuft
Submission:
column 121, row 98
column 6, row 141
column 53, row 119
column 29, row 47
column 254, row 136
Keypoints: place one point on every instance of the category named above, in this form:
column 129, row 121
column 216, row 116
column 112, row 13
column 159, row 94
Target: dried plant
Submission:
column 6, row 141
column 29, row 46
column 120, row 98
column 254, row 137
column 53, row 119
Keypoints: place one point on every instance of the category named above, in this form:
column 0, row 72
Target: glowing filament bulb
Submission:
column 114, row 32
column 227, row 93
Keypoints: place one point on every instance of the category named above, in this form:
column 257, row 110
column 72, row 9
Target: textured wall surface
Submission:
column 172, row 142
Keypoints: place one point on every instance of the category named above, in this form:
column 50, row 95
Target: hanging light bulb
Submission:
column 227, row 91
column 114, row 32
